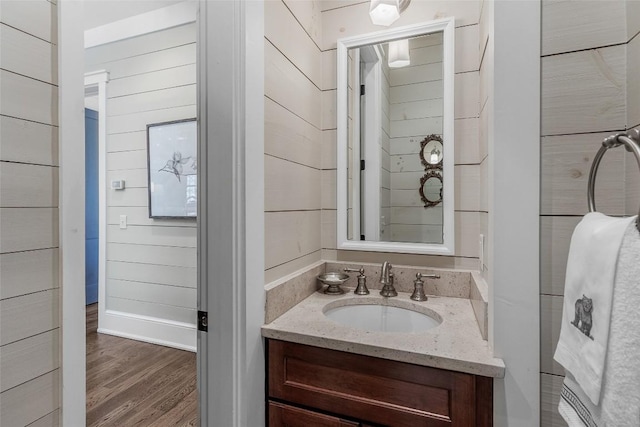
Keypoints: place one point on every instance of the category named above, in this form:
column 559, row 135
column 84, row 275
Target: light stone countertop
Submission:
column 456, row 344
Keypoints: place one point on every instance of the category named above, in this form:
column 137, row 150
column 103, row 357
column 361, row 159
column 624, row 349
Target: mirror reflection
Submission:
column 431, row 189
column 395, row 148
column 431, row 151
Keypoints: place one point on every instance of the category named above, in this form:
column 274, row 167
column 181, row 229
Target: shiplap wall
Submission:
column 348, row 18
column 293, row 137
column 385, row 156
column 29, row 263
column 486, row 116
column 416, row 111
column 590, row 89
column 632, row 175
column 150, row 265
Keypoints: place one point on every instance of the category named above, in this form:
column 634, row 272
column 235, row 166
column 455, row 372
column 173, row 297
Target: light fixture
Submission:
column 399, row 53
column 386, row 12
column 435, row 154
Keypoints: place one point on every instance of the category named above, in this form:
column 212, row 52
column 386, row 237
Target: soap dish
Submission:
column 333, row 280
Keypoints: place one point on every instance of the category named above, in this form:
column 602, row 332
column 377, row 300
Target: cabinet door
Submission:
column 281, row 415
column 377, row 391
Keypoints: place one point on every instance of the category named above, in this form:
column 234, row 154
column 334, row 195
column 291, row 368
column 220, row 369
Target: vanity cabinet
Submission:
column 312, row 386
column 287, row 415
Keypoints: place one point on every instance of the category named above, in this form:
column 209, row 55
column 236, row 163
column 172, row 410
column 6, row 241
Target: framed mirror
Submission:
column 431, row 152
column 431, row 188
column 395, row 114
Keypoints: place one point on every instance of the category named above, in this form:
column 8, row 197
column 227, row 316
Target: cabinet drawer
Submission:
column 281, row 415
column 376, row 390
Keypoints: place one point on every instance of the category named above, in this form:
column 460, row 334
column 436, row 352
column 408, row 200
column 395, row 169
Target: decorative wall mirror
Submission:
column 431, row 188
column 395, row 120
column 431, row 152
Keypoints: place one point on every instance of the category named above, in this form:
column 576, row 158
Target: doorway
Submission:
column 230, row 48
column 140, row 73
column 91, row 221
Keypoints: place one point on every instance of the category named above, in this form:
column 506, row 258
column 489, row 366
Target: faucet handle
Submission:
column 420, row 276
column 355, row 270
column 361, row 289
column 418, row 289
column 418, row 286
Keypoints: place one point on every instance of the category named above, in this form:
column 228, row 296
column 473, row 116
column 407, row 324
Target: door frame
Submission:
column 99, row 80
column 71, row 206
column 231, row 370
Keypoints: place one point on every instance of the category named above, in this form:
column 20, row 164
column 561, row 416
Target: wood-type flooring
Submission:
column 132, row 383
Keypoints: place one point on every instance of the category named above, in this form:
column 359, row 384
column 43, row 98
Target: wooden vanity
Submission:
column 312, row 386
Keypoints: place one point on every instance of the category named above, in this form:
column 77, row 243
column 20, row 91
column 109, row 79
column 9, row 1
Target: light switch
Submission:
column 123, row 221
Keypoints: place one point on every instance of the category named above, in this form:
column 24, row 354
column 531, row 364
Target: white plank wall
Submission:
column 151, row 265
column 416, row 104
column 294, row 177
column 29, row 264
column 343, row 19
column 477, row 130
column 589, row 90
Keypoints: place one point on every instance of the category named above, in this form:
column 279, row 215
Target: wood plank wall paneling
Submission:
column 28, row 99
column 27, row 55
column 343, row 19
column 151, row 265
column 568, row 28
column 28, row 142
column 28, row 358
column 29, row 269
column 632, row 180
column 584, row 91
column 294, row 178
column 28, row 272
column 633, row 84
column 36, row 18
column 481, row 151
column 588, row 92
column 550, row 387
column 566, row 162
column 31, row 401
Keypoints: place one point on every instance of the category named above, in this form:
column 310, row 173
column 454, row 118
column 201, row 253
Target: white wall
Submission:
column 29, row 254
column 293, row 139
column 594, row 50
column 385, row 156
column 150, row 265
column 513, row 129
column 416, row 106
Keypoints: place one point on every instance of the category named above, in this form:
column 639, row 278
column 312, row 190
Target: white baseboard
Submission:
column 153, row 330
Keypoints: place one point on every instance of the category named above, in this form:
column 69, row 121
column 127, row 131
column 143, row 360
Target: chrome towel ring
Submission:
column 631, row 141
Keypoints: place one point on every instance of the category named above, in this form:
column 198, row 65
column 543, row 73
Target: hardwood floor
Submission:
column 131, row 383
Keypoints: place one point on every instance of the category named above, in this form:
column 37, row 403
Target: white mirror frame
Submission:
column 448, row 230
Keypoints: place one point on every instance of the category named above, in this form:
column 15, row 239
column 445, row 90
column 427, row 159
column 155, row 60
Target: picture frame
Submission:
column 172, row 165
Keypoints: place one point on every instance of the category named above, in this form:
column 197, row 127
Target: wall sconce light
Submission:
column 399, row 54
column 386, row 12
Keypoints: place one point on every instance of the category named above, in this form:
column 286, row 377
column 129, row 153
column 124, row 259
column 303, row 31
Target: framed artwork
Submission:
column 172, row 158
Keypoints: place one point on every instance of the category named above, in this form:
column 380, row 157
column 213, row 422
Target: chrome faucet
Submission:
column 387, row 282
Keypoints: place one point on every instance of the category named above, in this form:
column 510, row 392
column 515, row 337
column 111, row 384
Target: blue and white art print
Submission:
column 173, row 169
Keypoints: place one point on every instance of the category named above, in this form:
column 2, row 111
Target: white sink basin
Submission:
column 381, row 318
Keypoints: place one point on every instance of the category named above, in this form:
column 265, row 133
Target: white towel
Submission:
column 584, row 331
column 620, row 398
